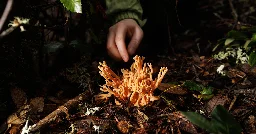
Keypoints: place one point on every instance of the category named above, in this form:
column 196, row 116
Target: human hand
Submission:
column 116, row 46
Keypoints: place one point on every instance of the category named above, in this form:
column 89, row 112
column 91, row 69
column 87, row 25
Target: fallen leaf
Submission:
column 15, row 129
column 216, row 100
column 18, row 117
column 196, row 57
column 206, row 73
column 183, row 122
column 19, row 97
column 245, row 84
column 245, row 68
column 172, row 88
column 123, row 126
column 13, row 119
column 253, row 71
column 234, row 73
column 37, row 104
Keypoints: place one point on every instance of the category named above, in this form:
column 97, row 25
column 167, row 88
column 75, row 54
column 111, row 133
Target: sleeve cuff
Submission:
column 129, row 15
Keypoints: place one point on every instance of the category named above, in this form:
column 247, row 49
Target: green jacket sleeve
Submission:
column 118, row 10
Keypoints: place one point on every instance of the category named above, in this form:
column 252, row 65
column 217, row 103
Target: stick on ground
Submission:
column 62, row 110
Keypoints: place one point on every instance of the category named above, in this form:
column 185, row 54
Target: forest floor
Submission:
column 196, row 82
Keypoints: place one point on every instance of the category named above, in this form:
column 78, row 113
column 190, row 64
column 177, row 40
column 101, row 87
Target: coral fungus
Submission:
column 136, row 85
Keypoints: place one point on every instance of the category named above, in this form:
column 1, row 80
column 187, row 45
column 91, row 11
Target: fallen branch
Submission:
column 61, row 111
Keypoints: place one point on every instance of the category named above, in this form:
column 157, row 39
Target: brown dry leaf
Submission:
column 187, row 71
column 195, row 57
column 183, row 123
column 124, row 126
column 216, row 100
column 202, row 58
column 233, row 81
column 245, row 68
column 245, row 84
column 15, row 120
column 206, row 73
column 172, row 88
column 37, row 104
column 234, row 73
column 139, row 131
column 15, row 129
column 253, row 71
column 19, row 97
column 18, row 117
column 187, row 127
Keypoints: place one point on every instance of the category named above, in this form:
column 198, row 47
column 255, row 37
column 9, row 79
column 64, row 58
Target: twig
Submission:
column 62, row 110
column 232, row 103
column 6, row 12
column 234, row 13
column 7, row 31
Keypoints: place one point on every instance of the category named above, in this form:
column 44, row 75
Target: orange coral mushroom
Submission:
column 136, row 85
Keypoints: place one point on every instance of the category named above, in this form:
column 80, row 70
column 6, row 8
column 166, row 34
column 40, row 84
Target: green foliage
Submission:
column 222, row 121
column 229, row 41
column 205, row 92
column 237, row 46
column 199, row 120
column 72, row 5
column 192, row 86
column 252, row 59
column 236, row 35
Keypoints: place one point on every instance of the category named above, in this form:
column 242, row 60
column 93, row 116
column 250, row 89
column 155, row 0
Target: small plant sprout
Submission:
column 220, row 70
column 18, row 22
column 91, row 111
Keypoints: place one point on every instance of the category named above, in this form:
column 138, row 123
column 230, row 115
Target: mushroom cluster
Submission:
column 136, row 85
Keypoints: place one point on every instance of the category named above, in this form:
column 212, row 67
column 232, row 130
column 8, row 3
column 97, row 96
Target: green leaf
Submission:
column 220, row 42
column 72, row 5
column 252, row 43
column 199, row 120
column 246, row 44
column 192, row 86
column 228, row 41
column 236, row 35
column 252, row 59
column 254, row 37
column 206, row 91
column 249, row 28
column 228, row 124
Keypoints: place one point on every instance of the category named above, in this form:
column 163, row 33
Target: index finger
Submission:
column 120, row 42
